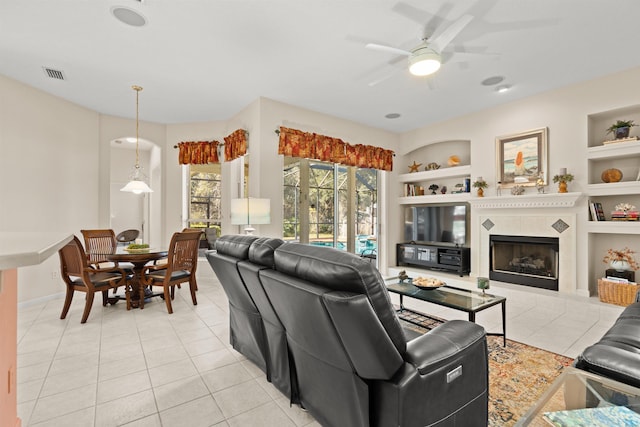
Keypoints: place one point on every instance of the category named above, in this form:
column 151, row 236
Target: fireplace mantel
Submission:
column 551, row 200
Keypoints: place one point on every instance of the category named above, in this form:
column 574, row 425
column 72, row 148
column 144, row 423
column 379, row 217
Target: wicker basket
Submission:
column 617, row 293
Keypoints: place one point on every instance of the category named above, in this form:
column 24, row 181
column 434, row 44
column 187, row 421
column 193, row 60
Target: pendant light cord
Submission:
column 137, row 89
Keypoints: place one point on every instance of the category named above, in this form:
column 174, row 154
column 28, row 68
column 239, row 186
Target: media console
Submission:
column 435, row 257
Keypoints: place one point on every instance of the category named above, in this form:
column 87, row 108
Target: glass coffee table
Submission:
column 451, row 297
column 580, row 398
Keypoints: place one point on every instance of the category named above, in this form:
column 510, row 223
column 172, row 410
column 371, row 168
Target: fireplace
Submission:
column 525, row 260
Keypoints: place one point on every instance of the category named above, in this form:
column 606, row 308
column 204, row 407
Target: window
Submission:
column 328, row 204
column 205, row 188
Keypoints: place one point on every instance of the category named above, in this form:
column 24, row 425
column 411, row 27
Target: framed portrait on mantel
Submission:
column 521, row 158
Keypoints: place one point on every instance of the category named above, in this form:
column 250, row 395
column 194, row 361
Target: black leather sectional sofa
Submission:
column 617, row 354
column 319, row 322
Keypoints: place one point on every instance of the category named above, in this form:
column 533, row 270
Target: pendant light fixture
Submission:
column 137, row 179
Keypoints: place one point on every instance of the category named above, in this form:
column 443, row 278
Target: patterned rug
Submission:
column 518, row 373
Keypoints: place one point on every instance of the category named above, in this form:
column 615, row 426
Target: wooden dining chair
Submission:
column 100, row 242
column 182, row 260
column 78, row 275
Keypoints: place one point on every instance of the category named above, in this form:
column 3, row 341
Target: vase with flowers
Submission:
column 621, row 259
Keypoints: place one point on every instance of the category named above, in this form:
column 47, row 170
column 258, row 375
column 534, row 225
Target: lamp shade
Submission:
column 137, row 184
column 250, row 211
column 137, row 187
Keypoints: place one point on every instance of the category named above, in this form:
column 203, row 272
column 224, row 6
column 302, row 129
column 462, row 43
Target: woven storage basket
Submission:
column 617, row 293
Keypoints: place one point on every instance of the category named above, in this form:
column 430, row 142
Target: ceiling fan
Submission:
column 426, row 58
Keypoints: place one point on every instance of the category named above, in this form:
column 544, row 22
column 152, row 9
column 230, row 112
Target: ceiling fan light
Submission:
column 424, row 61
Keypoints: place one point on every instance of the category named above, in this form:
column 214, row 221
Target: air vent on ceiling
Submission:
column 54, row 74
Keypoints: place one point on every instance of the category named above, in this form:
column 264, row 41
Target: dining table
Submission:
column 138, row 258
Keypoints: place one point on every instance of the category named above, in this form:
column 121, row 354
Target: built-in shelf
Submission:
column 550, row 200
column 450, row 172
column 614, row 188
column 614, row 150
column 614, row 227
column 435, row 198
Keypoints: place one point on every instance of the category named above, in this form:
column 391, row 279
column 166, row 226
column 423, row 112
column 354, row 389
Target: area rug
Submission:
column 518, row 373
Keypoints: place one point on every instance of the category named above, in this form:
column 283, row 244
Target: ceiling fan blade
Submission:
column 380, row 80
column 388, row 49
column 442, row 40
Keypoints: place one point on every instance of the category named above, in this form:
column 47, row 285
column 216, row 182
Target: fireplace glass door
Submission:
column 525, row 260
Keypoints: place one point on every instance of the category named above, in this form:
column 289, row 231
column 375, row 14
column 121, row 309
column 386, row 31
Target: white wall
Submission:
column 48, row 179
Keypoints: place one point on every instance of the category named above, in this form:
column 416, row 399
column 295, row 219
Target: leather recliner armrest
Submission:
column 436, row 347
column 444, row 380
column 611, row 361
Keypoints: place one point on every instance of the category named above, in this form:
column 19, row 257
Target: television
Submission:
column 436, row 224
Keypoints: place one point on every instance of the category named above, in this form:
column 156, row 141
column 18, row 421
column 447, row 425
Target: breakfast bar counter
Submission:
column 17, row 249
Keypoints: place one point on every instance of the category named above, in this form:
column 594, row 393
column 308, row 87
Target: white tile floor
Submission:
column 148, row 368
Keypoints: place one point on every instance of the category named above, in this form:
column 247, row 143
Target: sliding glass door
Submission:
column 328, row 204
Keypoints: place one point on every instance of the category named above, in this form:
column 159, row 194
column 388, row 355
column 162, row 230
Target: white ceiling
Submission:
column 203, row 60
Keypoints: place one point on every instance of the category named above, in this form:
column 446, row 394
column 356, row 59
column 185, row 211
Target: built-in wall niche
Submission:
column 609, row 203
column 599, row 122
column 436, row 172
column 603, row 153
column 599, row 243
column 438, row 153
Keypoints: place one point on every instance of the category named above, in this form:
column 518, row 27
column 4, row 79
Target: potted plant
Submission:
column 480, row 184
column 562, row 180
column 621, row 259
column 620, row 129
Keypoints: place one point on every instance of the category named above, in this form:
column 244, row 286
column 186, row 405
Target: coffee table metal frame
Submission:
column 451, row 297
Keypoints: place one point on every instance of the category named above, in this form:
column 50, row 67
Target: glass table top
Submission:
column 581, row 398
column 448, row 296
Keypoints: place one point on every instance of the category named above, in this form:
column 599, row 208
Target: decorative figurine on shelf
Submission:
column 432, row 166
column 480, row 184
column 402, row 276
column 540, row 183
column 517, row 190
column 562, row 178
column 433, row 188
column 453, row 160
column 414, row 167
column 625, row 212
column 443, row 190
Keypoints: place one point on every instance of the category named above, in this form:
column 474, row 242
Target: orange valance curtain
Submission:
column 235, row 145
column 198, row 153
column 295, row 143
column 203, row 152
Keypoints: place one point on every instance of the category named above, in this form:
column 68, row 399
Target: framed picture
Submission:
column 522, row 158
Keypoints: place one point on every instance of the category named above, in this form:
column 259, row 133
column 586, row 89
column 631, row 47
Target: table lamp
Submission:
column 249, row 211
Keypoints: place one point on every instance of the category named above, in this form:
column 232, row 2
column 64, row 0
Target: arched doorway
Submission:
column 128, row 210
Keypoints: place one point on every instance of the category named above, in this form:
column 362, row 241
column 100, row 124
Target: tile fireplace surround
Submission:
column 544, row 215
